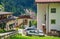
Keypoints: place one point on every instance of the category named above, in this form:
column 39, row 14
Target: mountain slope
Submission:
column 18, row 6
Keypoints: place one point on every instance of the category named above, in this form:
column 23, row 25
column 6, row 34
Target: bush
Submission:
column 2, row 31
column 34, row 22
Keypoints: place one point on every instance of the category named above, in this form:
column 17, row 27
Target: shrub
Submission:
column 2, row 31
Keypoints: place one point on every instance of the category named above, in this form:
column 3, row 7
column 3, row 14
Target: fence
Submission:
column 7, row 35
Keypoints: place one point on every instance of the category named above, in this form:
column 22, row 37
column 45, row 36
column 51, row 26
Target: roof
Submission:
column 25, row 16
column 42, row 1
column 1, row 13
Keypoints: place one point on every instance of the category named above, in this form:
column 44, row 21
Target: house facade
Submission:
column 24, row 21
column 6, row 19
column 48, row 13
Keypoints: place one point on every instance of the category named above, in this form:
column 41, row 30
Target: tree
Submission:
column 18, row 6
column 34, row 22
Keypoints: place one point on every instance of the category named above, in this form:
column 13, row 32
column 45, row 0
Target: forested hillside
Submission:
column 18, row 6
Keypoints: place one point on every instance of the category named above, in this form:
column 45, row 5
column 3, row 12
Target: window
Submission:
column 25, row 21
column 53, row 21
column 53, row 10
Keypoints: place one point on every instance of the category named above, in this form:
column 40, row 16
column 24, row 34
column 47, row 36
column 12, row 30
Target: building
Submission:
column 7, row 21
column 4, row 19
column 48, row 13
column 24, row 20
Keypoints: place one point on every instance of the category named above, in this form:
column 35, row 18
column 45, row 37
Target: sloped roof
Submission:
column 25, row 16
column 1, row 13
column 42, row 1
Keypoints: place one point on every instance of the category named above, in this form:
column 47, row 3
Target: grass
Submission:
column 33, row 37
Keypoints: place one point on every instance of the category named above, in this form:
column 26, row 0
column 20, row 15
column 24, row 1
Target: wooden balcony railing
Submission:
column 6, row 20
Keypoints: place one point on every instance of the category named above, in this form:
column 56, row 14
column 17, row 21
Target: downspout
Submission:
column 48, row 17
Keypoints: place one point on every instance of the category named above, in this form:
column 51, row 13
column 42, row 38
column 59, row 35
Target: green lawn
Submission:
column 33, row 37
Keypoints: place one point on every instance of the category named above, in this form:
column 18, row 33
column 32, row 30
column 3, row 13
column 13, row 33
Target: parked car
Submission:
column 33, row 31
column 28, row 31
column 39, row 33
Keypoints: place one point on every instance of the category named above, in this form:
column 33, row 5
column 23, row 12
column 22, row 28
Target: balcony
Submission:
column 6, row 20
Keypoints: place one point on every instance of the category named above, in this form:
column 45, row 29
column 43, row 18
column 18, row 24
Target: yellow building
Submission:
column 24, row 20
